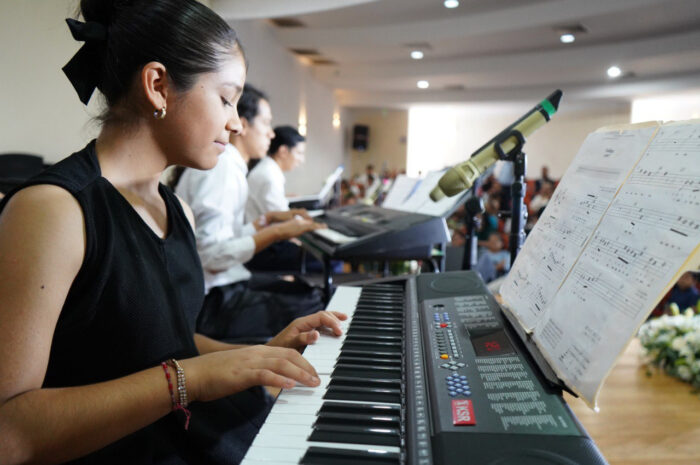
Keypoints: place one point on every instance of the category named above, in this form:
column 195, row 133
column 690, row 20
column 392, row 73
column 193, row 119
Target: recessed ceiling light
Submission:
column 451, row 3
column 567, row 38
column 423, row 84
column 417, row 55
column 614, row 72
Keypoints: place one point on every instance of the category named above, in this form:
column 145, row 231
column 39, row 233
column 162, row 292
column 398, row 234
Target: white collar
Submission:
column 237, row 158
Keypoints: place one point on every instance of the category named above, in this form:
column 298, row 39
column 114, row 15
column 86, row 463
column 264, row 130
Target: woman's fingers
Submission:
column 283, row 358
column 325, row 318
column 288, row 369
column 265, row 377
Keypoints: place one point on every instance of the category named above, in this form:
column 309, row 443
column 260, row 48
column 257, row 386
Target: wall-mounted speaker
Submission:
column 360, row 137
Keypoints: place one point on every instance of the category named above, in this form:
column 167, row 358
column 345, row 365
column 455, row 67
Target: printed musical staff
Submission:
column 642, row 241
column 573, row 213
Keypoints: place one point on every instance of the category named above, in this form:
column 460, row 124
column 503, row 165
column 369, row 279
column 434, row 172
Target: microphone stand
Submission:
column 473, row 207
column 517, row 190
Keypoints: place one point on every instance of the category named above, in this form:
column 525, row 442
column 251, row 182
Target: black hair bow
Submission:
column 83, row 70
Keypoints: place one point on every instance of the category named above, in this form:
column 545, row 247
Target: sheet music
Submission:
column 399, row 192
column 583, row 195
column 646, row 239
column 419, row 200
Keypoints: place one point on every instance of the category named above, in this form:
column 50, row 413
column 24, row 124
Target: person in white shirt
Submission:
column 266, row 180
column 266, row 193
column 237, row 305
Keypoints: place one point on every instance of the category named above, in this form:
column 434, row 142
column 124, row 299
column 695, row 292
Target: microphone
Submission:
column 461, row 177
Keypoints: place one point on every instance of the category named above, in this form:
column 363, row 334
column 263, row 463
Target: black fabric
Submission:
column 258, row 308
column 133, row 304
column 286, row 256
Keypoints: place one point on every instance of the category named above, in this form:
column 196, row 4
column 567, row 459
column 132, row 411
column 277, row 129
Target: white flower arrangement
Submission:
column 672, row 342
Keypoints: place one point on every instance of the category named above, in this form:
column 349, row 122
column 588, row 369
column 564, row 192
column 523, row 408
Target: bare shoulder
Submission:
column 42, row 245
column 41, row 226
column 188, row 211
column 40, row 210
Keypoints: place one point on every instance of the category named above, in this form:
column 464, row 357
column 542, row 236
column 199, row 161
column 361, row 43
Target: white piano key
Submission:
column 283, row 439
column 275, row 455
column 290, row 419
column 345, row 299
column 334, row 236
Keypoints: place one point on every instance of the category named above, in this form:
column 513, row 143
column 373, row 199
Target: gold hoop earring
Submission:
column 159, row 114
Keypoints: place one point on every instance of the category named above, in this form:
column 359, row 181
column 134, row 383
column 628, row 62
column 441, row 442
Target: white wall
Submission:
column 670, row 107
column 40, row 112
column 293, row 92
column 439, row 136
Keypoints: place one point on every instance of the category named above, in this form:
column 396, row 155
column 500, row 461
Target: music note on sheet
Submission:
column 583, row 195
column 637, row 251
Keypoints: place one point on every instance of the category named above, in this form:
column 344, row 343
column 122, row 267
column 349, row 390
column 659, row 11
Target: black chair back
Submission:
column 15, row 168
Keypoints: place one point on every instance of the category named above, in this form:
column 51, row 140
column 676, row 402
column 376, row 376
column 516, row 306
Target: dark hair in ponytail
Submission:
column 249, row 102
column 284, row 135
column 184, row 35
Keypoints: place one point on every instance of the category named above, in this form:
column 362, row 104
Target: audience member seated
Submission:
column 489, row 219
column 369, row 184
column 685, row 293
column 266, row 181
column 541, row 199
column 347, row 193
column 544, row 178
column 493, row 260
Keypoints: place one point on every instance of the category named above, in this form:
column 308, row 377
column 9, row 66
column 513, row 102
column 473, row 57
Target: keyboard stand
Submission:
column 436, row 260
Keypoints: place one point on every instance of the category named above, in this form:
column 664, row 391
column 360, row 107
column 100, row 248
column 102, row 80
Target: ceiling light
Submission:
column 423, row 84
column 417, row 55
column 567, row 38
column 614, row 72
column 451, row 4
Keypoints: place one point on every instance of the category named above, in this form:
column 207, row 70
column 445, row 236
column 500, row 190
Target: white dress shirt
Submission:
column 266, row 189
column 217, row 198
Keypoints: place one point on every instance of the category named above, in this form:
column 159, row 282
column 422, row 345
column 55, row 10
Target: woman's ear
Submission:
column 155, row 85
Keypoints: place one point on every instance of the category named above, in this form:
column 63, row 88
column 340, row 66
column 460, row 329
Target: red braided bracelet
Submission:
column 176, row 404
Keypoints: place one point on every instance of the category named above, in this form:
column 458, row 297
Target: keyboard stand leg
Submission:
column 327, row 279
column 303, row 261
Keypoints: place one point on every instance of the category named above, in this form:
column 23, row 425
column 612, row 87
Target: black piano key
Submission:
column 343, row 407
column 373, row 336
column 374, row 328
column 371, row 354
column 379, row 312
column 341, row 431
column 371, row 360
column 327, row 456
column 371, row 323
column 359, row 418
column 366, row 371
column 353, row 381
column 355, row 413
column 374, row 319
column 371, row 345
column 342, row 391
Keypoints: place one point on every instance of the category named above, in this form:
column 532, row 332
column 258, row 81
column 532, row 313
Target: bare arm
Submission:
column 41, row 250
column 207, row 345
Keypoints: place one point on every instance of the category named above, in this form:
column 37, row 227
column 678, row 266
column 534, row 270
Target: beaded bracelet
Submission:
column 182, row 402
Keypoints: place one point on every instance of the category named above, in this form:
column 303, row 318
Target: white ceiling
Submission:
column 490, row 49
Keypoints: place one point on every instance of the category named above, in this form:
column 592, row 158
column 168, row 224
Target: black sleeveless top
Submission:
column 132, row 305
